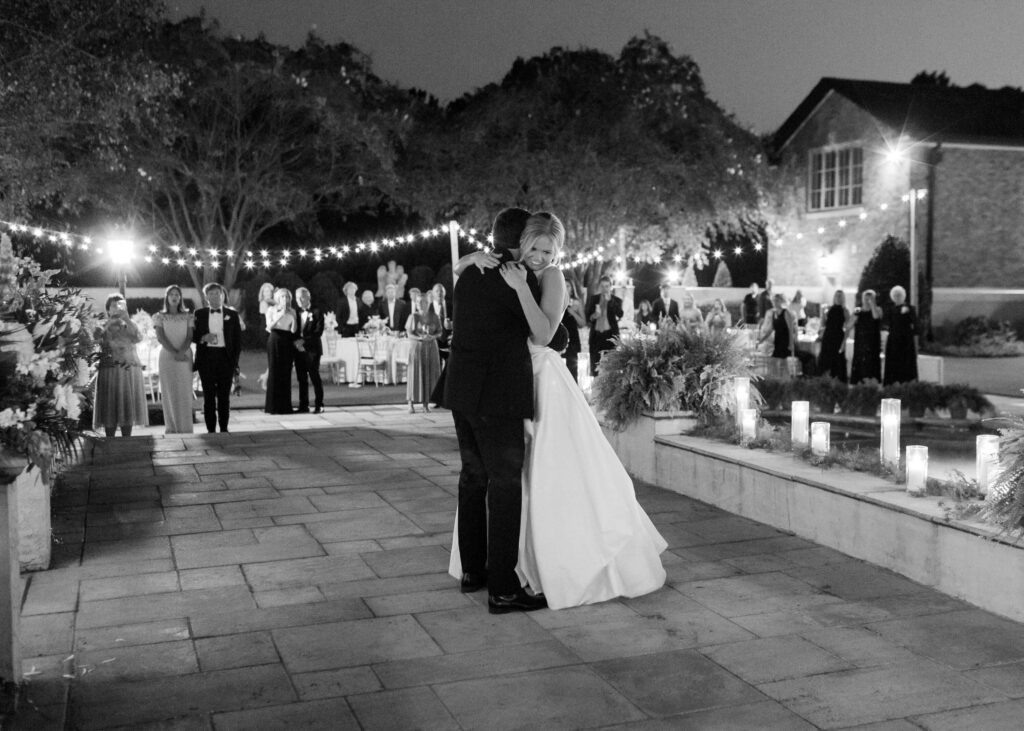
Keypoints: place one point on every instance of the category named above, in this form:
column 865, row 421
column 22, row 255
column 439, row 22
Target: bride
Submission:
column 584, row 536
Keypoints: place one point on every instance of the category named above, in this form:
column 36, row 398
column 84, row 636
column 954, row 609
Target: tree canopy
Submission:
column 74, row 76
column 629, row 151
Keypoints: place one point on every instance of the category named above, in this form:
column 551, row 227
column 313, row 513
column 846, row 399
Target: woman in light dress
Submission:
column 584, row 537
column 690, row 315
column 719, row 320
column 120, row 398
column 174, row 325
column 281, row 344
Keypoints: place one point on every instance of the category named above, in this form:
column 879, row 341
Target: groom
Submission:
column 489, row 389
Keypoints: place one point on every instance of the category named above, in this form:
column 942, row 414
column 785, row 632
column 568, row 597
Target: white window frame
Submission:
column 835, row 178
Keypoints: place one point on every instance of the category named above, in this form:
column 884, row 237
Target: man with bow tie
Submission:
column 218, row 338
column 307, row 361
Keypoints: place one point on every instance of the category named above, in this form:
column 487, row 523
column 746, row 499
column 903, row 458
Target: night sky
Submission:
column 759, row 58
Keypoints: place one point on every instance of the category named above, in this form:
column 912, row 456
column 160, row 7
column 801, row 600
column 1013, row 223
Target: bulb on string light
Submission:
column 884, row 206
column 37, row 232
column 164, row 260
column 230, row 254
column 821, row 229
column 758, row 247
column 181, row 262
column 862, row 215
column 842, row 223
column 215, row 264
column 738, row 250
column 249, row 263
column 717, row 253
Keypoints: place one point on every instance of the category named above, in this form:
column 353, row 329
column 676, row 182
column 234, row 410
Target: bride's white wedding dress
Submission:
column 584, row 536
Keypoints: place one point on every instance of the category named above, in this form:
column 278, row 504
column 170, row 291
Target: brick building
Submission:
column 858, row 151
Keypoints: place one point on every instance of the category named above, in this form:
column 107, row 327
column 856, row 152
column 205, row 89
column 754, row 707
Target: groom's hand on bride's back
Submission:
column 560, row 341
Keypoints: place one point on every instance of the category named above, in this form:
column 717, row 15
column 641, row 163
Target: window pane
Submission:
column 856, row 197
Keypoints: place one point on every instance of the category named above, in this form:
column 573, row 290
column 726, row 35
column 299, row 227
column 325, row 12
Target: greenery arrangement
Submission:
column 671, row 370
column 46, row 363
column 979, row 337
column 1004, row 505
column 830, row 395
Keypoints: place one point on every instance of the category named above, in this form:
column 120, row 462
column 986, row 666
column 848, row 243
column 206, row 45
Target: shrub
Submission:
column 889, row 265
column 980, row 337
column 670, row 371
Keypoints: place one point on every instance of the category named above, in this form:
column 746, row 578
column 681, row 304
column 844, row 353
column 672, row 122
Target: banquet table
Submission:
column 341, row 357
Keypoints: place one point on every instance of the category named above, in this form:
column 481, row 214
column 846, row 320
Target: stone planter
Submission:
column 30, row 493
column 858, row 514
column 35, row 529
column 635, row 444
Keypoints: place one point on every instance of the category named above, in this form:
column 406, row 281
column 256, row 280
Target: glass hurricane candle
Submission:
column 987, row 461
column 748, row 424
column 889, row 450
column 801, row 412
column 917, row 469
column 741, row 384
column 820, row 437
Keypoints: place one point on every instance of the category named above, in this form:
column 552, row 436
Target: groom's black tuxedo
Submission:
column 217, row 366
column 489, row 370
column 307, row 363
column 488, row 385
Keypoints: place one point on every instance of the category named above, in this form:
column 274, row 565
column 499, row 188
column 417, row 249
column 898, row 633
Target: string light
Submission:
column 175, row 254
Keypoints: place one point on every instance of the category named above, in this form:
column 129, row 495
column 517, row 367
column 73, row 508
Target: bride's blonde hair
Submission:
column 539, row 225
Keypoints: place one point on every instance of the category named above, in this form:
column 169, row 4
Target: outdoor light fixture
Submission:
column 120, row 251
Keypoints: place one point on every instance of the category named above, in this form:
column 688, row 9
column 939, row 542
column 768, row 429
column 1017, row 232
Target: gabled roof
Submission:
column 924, row 112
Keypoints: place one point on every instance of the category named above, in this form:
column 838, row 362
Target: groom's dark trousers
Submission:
column 492, row 451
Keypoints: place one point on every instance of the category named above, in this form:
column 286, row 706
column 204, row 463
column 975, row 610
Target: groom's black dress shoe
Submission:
column 521, row 601
column 472, row 582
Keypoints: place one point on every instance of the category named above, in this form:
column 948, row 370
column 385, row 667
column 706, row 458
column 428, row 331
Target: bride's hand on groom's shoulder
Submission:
column 514, row 275
column 485, row 260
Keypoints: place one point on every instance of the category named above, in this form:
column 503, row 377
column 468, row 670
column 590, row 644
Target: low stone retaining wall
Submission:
column 861, row 515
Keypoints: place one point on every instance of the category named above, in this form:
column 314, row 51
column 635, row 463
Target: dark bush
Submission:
column 888, row 266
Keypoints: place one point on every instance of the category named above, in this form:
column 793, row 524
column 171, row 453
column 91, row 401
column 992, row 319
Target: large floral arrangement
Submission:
column 47, row 359
column 671, row 370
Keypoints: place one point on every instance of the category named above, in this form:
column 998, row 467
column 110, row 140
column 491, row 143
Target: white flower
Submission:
column 66, row 399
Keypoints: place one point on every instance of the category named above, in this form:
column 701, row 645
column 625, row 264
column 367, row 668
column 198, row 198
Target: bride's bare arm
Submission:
column 545, row 317
column 483, row 260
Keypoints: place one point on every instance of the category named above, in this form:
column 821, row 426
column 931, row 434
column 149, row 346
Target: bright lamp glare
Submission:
column 895, row 155
column 120, row 250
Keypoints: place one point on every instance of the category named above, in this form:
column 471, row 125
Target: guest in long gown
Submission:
column 174, row 326
column 424, row 328
column 719, row 319
column 266, row 301
column 900, row 346
column 832, row 355
column 283, row 327
column 573, row 319
column 867, row 340
column 120, row 399
column 781, row 323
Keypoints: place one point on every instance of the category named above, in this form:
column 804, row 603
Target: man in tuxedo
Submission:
column 307, row 360
column 218, row 338
column 393, row 311
column 603, row 311
column 439, row 305
column 664, row 307
column 348, row 311
column 750, row 305
column 489, row 389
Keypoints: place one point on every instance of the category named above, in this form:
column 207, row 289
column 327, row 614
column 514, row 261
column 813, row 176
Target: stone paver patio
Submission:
column 292, row 574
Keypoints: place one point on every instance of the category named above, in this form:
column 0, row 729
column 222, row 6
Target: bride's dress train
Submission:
column 584, row 536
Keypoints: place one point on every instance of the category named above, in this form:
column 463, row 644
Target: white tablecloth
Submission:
column 341, row 356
